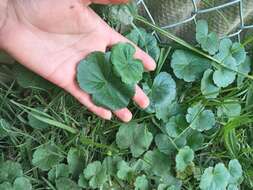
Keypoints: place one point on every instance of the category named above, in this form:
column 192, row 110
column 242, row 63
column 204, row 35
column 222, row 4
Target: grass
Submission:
column 72, row 125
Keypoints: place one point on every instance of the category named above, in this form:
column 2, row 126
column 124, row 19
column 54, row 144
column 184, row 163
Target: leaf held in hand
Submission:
column 146, row 41
column 129, row 69
column 95, row 76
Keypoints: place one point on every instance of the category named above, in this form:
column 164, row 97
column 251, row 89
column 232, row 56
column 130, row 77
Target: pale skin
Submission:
column 50, row 37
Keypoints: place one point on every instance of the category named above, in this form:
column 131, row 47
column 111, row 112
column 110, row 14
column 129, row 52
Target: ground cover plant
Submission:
column 196, row 133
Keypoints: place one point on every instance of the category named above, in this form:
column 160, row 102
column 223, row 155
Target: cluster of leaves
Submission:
column 111, row 77
column 12, row 177
column 231, row 57
column 220, row 177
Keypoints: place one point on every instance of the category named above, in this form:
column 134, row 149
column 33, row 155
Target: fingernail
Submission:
column 107, row 115
column 145, row 103
column 127, row 117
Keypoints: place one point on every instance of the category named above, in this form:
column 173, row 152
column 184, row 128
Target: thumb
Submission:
column 109, row 1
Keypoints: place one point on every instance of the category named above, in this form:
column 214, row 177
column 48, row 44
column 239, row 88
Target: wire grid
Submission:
column 197, row 11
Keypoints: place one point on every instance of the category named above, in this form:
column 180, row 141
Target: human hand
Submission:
column 51, row 37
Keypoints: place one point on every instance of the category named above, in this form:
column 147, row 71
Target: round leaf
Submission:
column 146, row 41
column 129, row 69
column 152, row 158
column 184, row 158
column 188, row 66
column 141, row 183
column 22, row 183
column 215, row 178
column 163, row 89
column 95, row 76
column 199, row 118
column 175, row 126
column 235, row 170
column 229, row 108
column 45, row 157
column 223, row 76
column 209, row 41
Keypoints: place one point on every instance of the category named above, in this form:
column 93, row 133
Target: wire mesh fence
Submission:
column 233, row 18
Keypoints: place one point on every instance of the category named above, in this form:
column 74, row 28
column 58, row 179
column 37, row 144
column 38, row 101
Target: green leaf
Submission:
column 124, row 171
column 146, row 41
column 167, row 145
column 223, row 77
column 135, row 137
column 238, row 52
column 244, row 67
column 46, row 156
column 62, row 170
column 188, row 66
column 170, row 183
column 229, row 108
column 229, row 49
column 6, row 186
column 34, row 122
column 22, row 183
column 142, row 139
column 166, row 110
column 175, row 125
column 123, row 14
column 76, row 161
column 215, row 178
column 95, row 76
column 199, row 118
column 124, row 136
column 151, row 158
column 9, row 171
column 195, row 139
column 129, row 69
column 163, row 89
column 83, row 182
column 96, row 174
column 209, row 41
column 208, row 88
column 110, row 164
column 66, row 184
column 235, row 170
column 141, row 183
column 184, row 158
column 4, row 127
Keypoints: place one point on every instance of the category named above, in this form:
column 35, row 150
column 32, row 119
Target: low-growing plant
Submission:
column 195, row 134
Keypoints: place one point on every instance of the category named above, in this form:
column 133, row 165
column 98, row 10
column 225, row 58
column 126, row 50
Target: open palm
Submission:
column 51, row 37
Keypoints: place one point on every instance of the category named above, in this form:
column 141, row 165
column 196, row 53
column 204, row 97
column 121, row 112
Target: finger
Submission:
column 85, row 99
column 109, row 1
column 124, row 114
column 148, row 63
column 141, row 98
